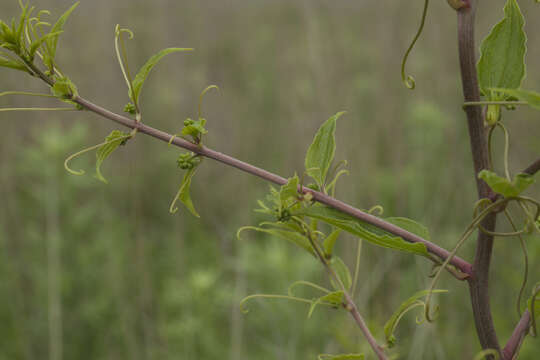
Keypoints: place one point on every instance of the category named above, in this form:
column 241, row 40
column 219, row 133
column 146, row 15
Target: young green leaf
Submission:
column 342, row 272
column 363, row 230
column 531, row 97
column 334, row 299
column 184, row 195
column 114, row 140
column 321, row 151
column 37, row 43
column 330, row 241
column 409, row 304
column 194, row 128
column 502, row 59
column 13, row 64
column 503, row 186
column 341, row 357
column 411, row 226
column 289, row 190
column 64, row 88
column 141, row 76
column 292, row 236
column 52, row 42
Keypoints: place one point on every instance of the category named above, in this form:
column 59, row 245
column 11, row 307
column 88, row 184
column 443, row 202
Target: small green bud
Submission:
column 458, row 4
column 130, row 109
column 493, row 114
column 188, row 122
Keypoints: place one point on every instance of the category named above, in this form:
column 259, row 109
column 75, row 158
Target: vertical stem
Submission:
column 479, row 281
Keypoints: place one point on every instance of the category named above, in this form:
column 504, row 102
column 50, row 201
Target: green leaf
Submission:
column 114, row 140
column 504, row 187
column 13, row 64
column 363, row 230
column 532, row 98
column 289, row 190
column 342, row 272
column 333, row 299
column 502, row 60
column 141, row 76
column 411, row 226
column 292, row 236
column 64, row 88
column 52, row 42
column 321, row 151
column 341, row 357
column 36, row 44
column 194, row 128
column 330, row 241
column 409, row 304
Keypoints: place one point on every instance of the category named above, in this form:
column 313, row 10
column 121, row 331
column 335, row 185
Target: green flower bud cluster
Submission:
column 187, row 161
column 284, row 215
column 188, row 122
column 130, row 108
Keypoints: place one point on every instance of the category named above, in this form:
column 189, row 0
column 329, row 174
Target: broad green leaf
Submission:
column 321, row 151
column 114, row 140
column 12, row 64
column 141, row 76
column 504, row 187
column 292, row 236
column 334, row 299
column 502, row 59
column 194, row 128
column 64, row 88
column 341, row 357
column 52, row 42
column 363, row 230
column 342, row 272
column 330, row 241
column 411, row 226
column 531, row 97
column 409, row 304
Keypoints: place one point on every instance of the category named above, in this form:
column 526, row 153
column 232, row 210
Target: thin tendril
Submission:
column 84, row 151
column 306, row 283
column 118, row 32
column 39, row 109
column 271, row 296
column 526, row 259
column 536, row 291
column 356, row 267
column 490, row 154
column 25, row 93
column 506, row 149
column 470, row 229
column 202, row 95
column 408, row 80
column 479, row 103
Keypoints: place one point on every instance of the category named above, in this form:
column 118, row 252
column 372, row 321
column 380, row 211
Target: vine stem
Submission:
column 479, row 281
column 459, row 263
column 349, row 304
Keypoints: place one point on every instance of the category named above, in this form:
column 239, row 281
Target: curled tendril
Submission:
column 376, row 210
column 122, row 59
column 208, row 88
column 245, row 310
column 25, row 93
column 408, row 80
column 174, row 136
column 466, row 234
column 84, row 151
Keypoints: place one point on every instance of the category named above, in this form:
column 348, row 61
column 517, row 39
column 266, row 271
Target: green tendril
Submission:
column 356, row 267
column 480, row 103
column 174, row 136
column 84, row 151
column 408, row 80
column 5, row 93
column 487, row 352
column 208, row 88
column 271, row 296
column 39, row 109
column 466, row 234
column 536, row 291
column 121, row 55
column 306, row 283
column 376, row 210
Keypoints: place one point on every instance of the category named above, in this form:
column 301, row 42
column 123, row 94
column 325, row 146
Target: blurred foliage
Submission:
column 94, row 271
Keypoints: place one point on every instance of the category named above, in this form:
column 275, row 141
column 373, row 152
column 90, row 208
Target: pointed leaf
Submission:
column 52, row 42
column 409, row 304
column 114, row 140
column 330, row 241
column 531, row 97
column 294, row 237
column 411, row 226
column 141, row 76
column 321, row 151
column 17, row 65
column 334, row 299
column 289, row 190
column 342, row 272
column 183, row 193
column 502, row 60
column 363, row 230
column 504, row 187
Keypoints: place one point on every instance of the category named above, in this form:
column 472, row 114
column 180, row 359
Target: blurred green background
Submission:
column 95, row 271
